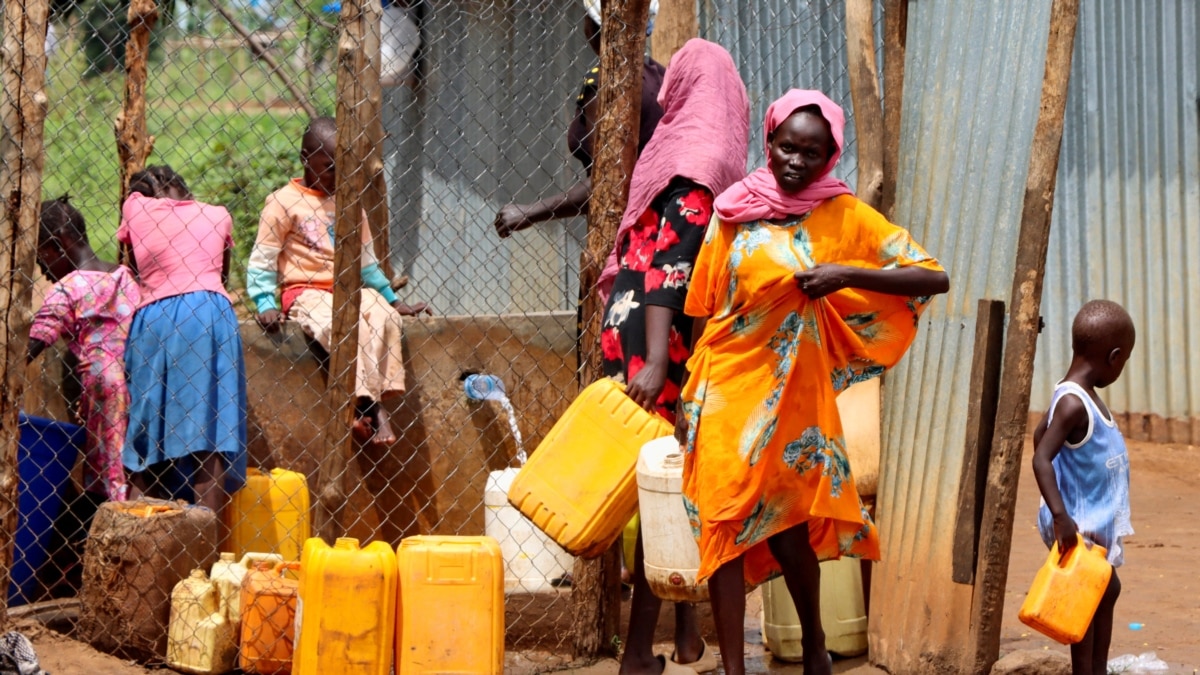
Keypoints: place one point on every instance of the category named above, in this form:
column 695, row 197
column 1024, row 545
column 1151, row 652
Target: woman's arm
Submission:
column 821, row 280
column 225, row 263
column 128, row 259
column 517, row 217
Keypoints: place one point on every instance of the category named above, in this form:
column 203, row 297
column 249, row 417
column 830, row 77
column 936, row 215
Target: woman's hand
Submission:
column 1065, row 531
column 823, row 279
column 681, row 424
column 645, row 387
column 270, row 320
column 511, row 218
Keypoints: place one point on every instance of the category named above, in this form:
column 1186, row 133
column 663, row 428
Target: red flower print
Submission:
column 668, row 400
column 696, row 206
column 636, row 363
column 640, row 254
column 676, row 350
column 655, row 276
column 610, row 344
column 666, row 238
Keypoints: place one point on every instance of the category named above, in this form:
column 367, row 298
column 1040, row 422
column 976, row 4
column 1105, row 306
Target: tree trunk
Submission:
column 358, row 103
column 134, row 142
column 1012, row 413
column 23, row 111
column 596, row 596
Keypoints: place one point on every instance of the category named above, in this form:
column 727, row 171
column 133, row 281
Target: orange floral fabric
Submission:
column 765, row 450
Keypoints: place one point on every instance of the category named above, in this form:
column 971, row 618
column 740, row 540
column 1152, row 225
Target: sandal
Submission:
column 705, row 664
column 672, row 668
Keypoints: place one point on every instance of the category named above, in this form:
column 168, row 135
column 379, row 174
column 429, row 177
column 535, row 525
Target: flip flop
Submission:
column 705, row 664
column 672, row 668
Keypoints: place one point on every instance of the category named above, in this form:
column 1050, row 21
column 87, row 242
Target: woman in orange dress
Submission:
column 803, row 290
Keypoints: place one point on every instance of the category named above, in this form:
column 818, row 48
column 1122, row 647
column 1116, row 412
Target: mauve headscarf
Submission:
column 758, row 197
column 703, row 135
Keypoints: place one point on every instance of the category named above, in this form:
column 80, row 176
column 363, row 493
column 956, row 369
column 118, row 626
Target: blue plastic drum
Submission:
column 46, row 455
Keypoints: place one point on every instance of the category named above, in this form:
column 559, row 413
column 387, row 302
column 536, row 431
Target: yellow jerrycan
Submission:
column 228, row 574
column 580, row 486
column 451, row 606
column 269, row 618
column 270, row 514
column 200, row 637
column 1066, row 592
column 346, row 616
column 843, row 613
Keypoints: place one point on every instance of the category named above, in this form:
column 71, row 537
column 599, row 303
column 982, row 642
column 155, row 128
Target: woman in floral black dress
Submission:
column 698, row 149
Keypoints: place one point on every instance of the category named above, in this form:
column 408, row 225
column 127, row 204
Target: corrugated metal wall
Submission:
column 971, row 92
column 1127, row 210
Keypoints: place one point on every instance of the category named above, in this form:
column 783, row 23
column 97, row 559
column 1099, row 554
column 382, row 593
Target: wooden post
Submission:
column 596, row 595
column 134, row 142
column 675, row 25
column 991, row 575
column 23, row 114
column 895, row 38
column 981, row 425
column 358, row 102
column 864, row 93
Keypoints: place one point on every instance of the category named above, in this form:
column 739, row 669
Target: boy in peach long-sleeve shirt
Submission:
column 293, row 254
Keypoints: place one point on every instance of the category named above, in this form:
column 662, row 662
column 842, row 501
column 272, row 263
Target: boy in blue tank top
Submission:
column 1081, row 465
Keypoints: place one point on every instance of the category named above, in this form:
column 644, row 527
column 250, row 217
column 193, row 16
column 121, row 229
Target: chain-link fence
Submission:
column 478, row 100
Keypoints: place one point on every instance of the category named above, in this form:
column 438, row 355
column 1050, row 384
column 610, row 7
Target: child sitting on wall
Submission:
column 293, row 254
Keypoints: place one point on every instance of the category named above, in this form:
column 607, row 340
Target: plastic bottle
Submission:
column 200, row 637
column 480, row 387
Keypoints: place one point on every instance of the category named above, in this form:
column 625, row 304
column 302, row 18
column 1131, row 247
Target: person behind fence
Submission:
column 697, row 151
column 803, row 290
column 515, row 217
column 294, row 252
column 187, row 379
column 1081, row 465
column 91, row 305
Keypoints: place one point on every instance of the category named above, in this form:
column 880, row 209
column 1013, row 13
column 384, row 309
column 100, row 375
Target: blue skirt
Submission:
column 187, row 391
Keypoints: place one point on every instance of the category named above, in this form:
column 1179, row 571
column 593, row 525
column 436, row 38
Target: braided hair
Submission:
column 157, row 181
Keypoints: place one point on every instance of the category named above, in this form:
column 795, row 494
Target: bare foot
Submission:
column 384, row 434
column 362, row 430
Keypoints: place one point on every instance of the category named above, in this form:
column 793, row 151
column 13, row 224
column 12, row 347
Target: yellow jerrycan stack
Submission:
column 1066, row 592
column 269, row 618
column 451, row 606
column 346, row 619
column 579, row 485
column 270, row 514
column 200, row 637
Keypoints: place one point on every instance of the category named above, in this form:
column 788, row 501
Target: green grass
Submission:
column 217, row 119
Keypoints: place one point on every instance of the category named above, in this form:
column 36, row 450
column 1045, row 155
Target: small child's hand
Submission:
column 406, row 309
column 1066, row 532
column 270, row 320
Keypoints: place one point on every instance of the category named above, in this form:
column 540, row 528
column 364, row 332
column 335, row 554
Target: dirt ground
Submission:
column 1161, row 591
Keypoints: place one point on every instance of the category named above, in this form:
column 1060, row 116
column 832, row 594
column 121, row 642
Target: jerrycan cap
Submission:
column 346, row 544
column 227, row 556
column 199, row 574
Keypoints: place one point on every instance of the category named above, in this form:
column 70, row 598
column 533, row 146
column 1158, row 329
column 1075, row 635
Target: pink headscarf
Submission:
column 703, row 135
column 758, row 197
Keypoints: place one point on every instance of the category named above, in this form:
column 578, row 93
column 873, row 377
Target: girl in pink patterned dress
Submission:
column 91, row 305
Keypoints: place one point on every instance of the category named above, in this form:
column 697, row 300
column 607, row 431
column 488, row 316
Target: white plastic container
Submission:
column 228, row 573
column 672, row 556
column 531, row 559
column 843, row 615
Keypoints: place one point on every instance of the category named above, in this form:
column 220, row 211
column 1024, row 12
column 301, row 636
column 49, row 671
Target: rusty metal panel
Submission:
column 971, row 93
column 1127, row 209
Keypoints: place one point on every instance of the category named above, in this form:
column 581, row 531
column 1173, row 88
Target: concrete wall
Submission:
column 432, row 479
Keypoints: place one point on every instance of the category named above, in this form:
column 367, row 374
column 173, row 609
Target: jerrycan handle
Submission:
column 281, row 567
column 249, row 559
column 1071, row 560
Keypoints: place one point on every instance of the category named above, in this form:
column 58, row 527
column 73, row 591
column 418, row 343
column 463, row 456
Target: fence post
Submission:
column 23, row 114
column 358, row 99
column 676, row 24
column 134, row 142
column 864, row 94
column 1012, row 411
column 895, row 39
column 596, row 595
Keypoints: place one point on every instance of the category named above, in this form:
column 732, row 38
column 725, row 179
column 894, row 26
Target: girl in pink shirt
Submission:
column 91, row 306
column 187, row 382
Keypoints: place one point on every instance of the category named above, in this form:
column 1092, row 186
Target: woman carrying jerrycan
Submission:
column 698, row 149
column 802, row 290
